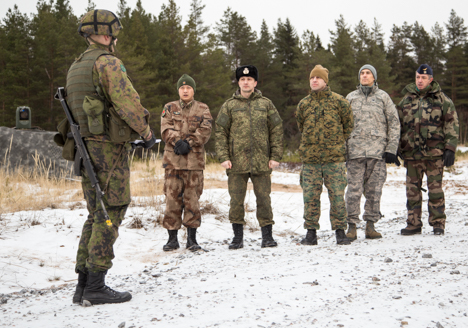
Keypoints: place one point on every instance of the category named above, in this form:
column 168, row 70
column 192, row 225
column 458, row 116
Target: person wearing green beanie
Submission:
column 185, row 128
column 187, row 80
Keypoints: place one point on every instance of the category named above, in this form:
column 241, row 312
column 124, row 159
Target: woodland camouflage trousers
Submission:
column 434, row 170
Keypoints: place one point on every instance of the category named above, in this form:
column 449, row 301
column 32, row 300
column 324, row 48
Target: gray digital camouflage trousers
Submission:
column 183, row 189
column 365, row 176
column 237, row 186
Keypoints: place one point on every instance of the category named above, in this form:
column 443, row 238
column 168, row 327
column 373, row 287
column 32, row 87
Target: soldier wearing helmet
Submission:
column 108, row 110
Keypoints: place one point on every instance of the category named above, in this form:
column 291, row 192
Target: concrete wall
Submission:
column 20, row 147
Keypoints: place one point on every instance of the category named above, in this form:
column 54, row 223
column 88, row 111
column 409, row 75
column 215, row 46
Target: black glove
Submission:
column 150, row 143
column 182, row 147
column 391, row 158
column 137, row 143
column 449, row 158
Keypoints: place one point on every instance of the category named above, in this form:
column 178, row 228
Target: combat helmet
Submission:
column 99, row 22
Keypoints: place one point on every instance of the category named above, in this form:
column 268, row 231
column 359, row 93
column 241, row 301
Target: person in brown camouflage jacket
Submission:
column 429, row 137
column 185, row 128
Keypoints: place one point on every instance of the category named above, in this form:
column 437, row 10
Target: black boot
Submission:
column 310, row 238
column 341, row 238
column 82, row 278
column 267, row 237
column 192, row 244
column 238, row 240
column 96, row 291
column 172, row 243
column 411, row 230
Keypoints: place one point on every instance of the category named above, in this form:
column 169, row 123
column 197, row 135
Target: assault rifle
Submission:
column 82, row 150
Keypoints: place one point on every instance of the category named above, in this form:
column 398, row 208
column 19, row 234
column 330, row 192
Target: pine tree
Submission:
column 457, row 68
column 342, row 77
column 399, row 57
column 16, row 74
column 237, row 39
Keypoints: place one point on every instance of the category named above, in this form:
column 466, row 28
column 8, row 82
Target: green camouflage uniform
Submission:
column 325, row 120
column 429, row 125
column 249, row 133
column 110, row 161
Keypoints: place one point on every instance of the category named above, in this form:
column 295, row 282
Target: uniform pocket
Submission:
column 177, row 122
column 94, row 108
column 119, row 131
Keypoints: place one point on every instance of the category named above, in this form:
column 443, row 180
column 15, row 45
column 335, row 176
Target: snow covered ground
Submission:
column 419, row 281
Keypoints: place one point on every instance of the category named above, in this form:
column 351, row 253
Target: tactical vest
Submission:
column 91, row 110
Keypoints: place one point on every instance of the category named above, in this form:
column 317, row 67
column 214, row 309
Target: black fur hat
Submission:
column 247, row 70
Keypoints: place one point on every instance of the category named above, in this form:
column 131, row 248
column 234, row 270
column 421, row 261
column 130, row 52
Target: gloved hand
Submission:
column 391, row 158
column 150, row 143
column 449, row 158
column 182, row 147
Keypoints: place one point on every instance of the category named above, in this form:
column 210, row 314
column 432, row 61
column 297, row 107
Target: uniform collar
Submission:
column 324, row 93
column 185, row 105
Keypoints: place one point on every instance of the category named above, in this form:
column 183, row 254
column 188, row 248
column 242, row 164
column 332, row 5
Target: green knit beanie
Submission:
column 186, row 80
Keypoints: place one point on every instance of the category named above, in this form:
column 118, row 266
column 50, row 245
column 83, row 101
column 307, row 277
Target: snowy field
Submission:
column 397, row 281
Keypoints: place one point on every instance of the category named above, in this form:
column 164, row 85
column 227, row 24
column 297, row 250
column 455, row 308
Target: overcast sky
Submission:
column 317, row 16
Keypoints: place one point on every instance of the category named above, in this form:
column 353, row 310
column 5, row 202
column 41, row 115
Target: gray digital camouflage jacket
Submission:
column 376, row 125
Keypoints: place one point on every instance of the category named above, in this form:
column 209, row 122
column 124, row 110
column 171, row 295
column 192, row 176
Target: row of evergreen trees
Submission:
column 37, row 51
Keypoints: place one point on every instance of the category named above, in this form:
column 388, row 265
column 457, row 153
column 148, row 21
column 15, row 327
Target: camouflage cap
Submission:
column 99, row 22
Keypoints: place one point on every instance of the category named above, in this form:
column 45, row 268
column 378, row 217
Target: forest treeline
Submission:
column 37, row 50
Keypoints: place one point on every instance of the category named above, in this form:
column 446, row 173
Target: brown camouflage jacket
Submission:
column 110, row 75
column 249, row 133
column 192, row 122
column 429, row 123
column 376, row 125
column 325, row 120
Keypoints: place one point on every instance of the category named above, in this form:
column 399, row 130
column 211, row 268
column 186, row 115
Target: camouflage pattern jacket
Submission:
column 376, row 125
column 249, row 133
column 429, row 123
column 192, row 122
column 110, row 75
column 325, row 120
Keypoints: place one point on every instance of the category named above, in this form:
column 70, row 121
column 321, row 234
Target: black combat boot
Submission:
column 411, row 230
column 172, row 243
column 96, row 291
column 238, row 240
column 341, row 238
column 438, row 229
column 310, row 238
column 267, row 237
column 192, row 244
column 82, row 278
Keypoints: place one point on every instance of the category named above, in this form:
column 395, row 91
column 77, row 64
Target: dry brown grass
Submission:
column 23, row 189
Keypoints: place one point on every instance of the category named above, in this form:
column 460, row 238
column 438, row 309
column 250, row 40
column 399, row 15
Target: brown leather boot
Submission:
column 370, row 231
column 352, row 233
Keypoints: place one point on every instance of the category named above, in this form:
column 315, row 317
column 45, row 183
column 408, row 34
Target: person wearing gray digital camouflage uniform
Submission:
column 372, row 144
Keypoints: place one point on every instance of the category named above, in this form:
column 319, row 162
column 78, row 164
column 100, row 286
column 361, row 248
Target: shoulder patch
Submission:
column 222, row 120
column 122, row 67
column 275, row 119
column 163, row 112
